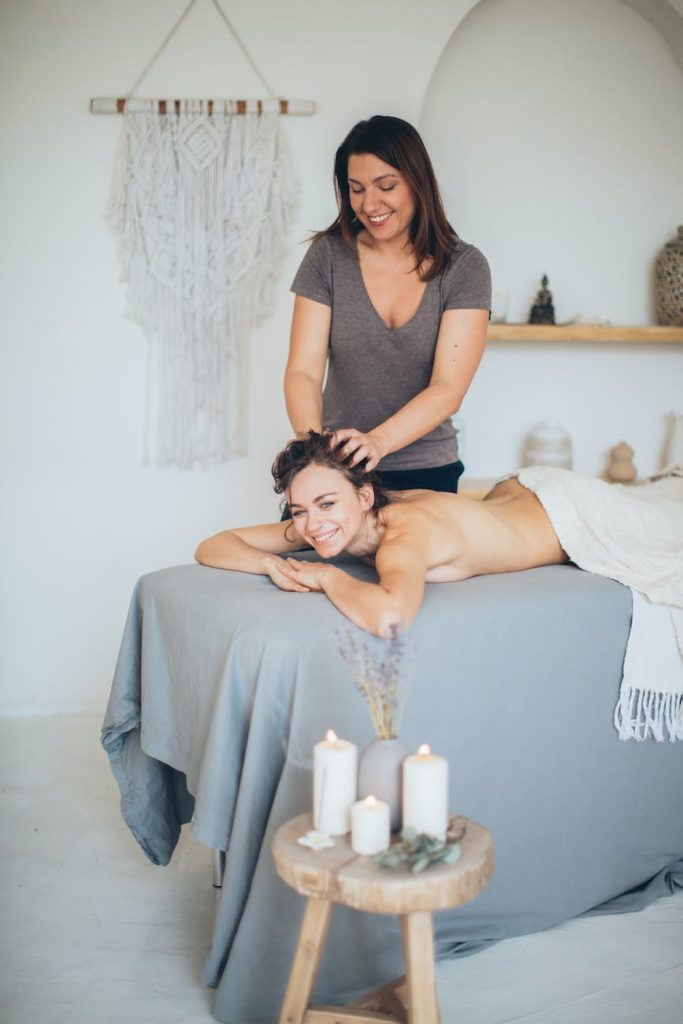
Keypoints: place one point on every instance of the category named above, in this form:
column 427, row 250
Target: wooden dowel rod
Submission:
column 114, row 105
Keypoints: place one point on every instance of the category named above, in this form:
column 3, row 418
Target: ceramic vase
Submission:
column 548, row 444
column 379, row 774
column 669, row 282
column 620, row 468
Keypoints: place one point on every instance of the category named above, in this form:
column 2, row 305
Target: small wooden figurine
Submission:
column 620, row 468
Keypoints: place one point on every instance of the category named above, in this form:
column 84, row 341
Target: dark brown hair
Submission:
column 317, row 450
column 397, row 143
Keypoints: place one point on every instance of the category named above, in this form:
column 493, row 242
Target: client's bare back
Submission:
column 506, row 532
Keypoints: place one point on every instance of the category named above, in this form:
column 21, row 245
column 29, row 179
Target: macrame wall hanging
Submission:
column 202, row 197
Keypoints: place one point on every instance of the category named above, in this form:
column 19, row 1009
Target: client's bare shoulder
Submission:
column 436, row 522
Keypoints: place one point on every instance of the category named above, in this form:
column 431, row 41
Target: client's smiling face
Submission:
column 327, row 510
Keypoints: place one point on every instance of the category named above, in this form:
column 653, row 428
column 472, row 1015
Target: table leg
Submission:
column 312, row 936
column 218, row 868
column 418, row 950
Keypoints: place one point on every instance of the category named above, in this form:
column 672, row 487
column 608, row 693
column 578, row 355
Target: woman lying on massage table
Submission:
column 411, row 537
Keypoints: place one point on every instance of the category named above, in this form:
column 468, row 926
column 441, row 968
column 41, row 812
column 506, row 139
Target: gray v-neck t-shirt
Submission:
column 372, row 370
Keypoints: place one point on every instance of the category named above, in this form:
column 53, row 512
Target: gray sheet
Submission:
column 224, row 683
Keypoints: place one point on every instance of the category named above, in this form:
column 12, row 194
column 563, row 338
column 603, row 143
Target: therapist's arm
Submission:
column 308, row 350
column 459, row 348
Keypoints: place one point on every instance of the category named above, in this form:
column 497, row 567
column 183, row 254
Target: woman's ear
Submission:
column 366, row 496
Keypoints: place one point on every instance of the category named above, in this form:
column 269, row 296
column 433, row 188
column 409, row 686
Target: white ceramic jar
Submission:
column 548, row 444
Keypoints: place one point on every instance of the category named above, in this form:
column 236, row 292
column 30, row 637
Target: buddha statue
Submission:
column 543, row 311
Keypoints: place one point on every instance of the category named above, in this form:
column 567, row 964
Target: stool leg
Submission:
column 312, row 936
column 418, row 950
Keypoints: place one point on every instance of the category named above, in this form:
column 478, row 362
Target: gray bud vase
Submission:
column 379, row 774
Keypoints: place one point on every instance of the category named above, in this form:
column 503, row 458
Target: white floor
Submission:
column 93, row 934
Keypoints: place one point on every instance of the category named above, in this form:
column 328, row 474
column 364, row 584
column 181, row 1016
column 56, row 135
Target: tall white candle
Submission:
column 370, row 826
column 334, row 784
column 425, row 793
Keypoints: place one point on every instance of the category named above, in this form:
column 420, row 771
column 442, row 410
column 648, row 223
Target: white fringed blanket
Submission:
column 633, row 535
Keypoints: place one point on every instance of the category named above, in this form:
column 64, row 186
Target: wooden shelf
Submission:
column 586, row 334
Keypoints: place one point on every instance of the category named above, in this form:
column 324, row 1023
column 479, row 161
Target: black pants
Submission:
column 439, row 478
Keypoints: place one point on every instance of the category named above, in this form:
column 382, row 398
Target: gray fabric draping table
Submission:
column 224, row 683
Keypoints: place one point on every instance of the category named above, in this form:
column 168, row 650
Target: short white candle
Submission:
column 425, row 793
column 370, row 826
column 334, row 784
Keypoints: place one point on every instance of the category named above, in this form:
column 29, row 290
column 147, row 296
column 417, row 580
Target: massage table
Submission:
column 224, row 683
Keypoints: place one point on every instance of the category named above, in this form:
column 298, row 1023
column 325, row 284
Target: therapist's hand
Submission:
column 359, row 446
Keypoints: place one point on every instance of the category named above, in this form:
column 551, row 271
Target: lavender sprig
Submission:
column 380, row 676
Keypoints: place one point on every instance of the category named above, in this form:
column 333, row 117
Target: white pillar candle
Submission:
column 425, row 793
column 370, row 826
column 334, row 784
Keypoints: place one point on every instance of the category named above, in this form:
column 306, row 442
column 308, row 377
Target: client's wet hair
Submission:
column 319, row 450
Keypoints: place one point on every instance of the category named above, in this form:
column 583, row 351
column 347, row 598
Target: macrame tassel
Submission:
column 201, row 206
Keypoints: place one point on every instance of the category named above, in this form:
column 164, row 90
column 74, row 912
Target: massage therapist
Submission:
column 395, row 307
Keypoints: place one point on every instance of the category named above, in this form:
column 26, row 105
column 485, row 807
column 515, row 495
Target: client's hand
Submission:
column 360, row 446
column 310, row 574
column 277, row 569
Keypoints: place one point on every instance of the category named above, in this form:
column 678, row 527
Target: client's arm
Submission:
column 401, row 564
column 253, row 549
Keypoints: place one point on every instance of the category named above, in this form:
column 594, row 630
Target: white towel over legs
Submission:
column 634, row 535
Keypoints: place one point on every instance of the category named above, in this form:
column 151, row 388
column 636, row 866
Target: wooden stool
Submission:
column 338, row 875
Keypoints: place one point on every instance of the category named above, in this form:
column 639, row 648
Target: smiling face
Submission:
column 380, row 198
column 327, row 510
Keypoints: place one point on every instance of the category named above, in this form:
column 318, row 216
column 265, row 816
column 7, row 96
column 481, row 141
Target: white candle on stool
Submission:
column 334, row 784
column 425, row 793
column 370, row 826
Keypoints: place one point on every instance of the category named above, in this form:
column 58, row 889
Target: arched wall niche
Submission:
column 557, row 135
column 665, row 15
column 667, row 18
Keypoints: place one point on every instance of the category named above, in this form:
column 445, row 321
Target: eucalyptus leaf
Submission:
column 451, row 854
column 433, row 844
column 419, row 851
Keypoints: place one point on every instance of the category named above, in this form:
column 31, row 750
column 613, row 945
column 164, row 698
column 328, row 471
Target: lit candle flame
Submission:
column 424, row 751
column 331, row 736
column 370, row 801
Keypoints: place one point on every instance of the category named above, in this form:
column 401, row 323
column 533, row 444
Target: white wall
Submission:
column 557, row 133
column 80, row 518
